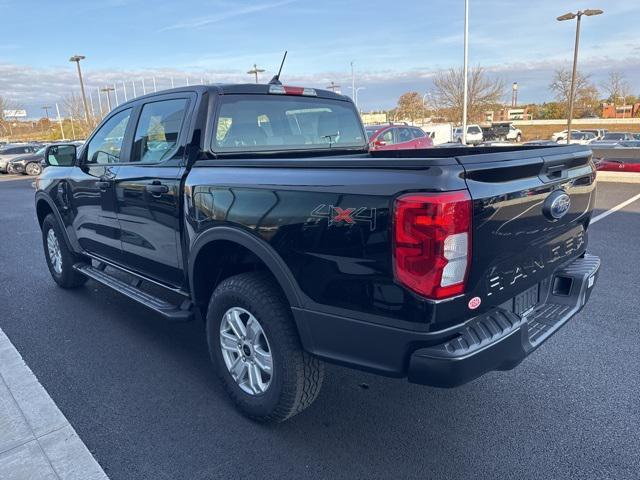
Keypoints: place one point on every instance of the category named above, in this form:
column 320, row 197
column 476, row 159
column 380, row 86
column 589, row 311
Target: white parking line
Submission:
column 615, row 209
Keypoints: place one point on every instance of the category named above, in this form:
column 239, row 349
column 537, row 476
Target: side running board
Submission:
column 175, row 313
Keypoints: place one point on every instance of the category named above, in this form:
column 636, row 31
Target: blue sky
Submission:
column 395, row 46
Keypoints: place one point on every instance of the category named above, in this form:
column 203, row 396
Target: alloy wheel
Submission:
column 55, row 255
column 246, row 351
column 33, row 169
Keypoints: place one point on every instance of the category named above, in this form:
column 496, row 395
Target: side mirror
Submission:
column 63, row 155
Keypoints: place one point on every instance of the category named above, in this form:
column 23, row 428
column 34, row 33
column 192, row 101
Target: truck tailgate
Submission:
column 522, row 230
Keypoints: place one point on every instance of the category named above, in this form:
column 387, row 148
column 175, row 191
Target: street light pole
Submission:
column 353, row 83
column 572, row 94
column 107, row 91
column 255, row 71
column 465, row 95
column 77, row 58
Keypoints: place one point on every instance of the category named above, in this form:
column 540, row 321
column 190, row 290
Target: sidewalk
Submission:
column 36, row 440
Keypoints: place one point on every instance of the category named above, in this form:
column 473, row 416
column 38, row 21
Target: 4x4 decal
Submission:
column 346, row 216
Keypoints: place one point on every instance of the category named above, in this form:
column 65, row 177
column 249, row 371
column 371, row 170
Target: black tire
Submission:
column 66, row 277
column 296, row 376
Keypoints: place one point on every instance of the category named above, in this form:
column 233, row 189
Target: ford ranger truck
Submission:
column 259, row 210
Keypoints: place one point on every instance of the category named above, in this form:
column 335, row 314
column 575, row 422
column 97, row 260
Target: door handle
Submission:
column 157, row 189
column 102, row 185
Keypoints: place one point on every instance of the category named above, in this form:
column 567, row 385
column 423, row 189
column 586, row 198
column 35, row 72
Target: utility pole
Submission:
column 465, row 69
column 572, row 95
column 77, row 58
column 115, row 92
column 255, row 71
column 124, row 89
column 46, row 110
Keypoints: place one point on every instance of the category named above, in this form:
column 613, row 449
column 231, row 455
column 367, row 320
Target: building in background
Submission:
column 609, row 110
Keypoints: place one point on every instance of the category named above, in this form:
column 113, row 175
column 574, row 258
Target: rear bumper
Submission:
column 497, row 340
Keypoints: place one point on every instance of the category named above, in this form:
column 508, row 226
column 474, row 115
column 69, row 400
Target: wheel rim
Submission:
column 33, row 169
column 55, row 255
column 246, row 351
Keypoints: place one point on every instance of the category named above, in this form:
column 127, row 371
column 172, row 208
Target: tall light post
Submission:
column 107, row 91
column 572, row 94
column 465, row 69
column 255, row 71
column 333, row 87
column 77, row 58
column 353, row 82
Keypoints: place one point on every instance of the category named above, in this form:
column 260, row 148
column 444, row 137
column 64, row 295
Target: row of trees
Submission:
column 445, row 101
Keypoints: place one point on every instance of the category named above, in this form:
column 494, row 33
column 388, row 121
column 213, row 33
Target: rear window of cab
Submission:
column 263, row 123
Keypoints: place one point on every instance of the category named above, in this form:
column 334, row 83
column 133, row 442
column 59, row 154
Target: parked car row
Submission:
column 588, row 136
column 26, row 159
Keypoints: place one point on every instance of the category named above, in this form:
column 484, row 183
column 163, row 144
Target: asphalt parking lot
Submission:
column 141, row 394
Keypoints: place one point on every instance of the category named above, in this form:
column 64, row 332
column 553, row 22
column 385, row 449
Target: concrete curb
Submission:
column 621, row 177
column 37, row 441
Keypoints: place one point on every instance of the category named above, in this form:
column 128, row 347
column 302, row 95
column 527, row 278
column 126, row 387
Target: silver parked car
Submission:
column 10, row 152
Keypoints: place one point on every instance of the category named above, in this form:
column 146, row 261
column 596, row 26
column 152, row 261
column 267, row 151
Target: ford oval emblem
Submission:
column 557, row 205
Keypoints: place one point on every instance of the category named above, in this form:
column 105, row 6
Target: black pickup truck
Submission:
column 258, row 209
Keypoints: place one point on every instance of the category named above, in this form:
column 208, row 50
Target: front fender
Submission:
column 43, row 197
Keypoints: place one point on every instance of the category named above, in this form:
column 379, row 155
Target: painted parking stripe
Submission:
column 37, row 440
column 615, row 209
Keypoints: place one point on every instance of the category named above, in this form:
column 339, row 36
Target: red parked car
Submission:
column 397, row 137
column 626, row 165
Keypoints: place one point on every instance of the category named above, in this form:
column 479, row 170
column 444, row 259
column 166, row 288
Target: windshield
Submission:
column 262, row 123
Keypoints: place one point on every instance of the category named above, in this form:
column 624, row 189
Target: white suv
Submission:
column 474, row 134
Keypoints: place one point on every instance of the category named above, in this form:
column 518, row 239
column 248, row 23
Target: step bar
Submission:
column 172, row 312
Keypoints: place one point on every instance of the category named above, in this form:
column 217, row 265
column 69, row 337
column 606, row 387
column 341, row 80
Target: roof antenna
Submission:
column 276, row 78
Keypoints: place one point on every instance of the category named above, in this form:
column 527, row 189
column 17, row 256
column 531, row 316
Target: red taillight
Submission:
column 432, row 242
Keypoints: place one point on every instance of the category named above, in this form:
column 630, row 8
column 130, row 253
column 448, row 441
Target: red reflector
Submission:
column 432, row 242
column 293, row 90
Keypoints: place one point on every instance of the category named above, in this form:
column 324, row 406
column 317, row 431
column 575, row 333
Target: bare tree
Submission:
column 74, row 107
column 586, row 94
column 5, row 123
column 483, row 93
column 616, row 86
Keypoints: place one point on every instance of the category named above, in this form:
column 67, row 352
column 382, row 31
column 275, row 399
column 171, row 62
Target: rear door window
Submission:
column 418, row 133
column 404, row 135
